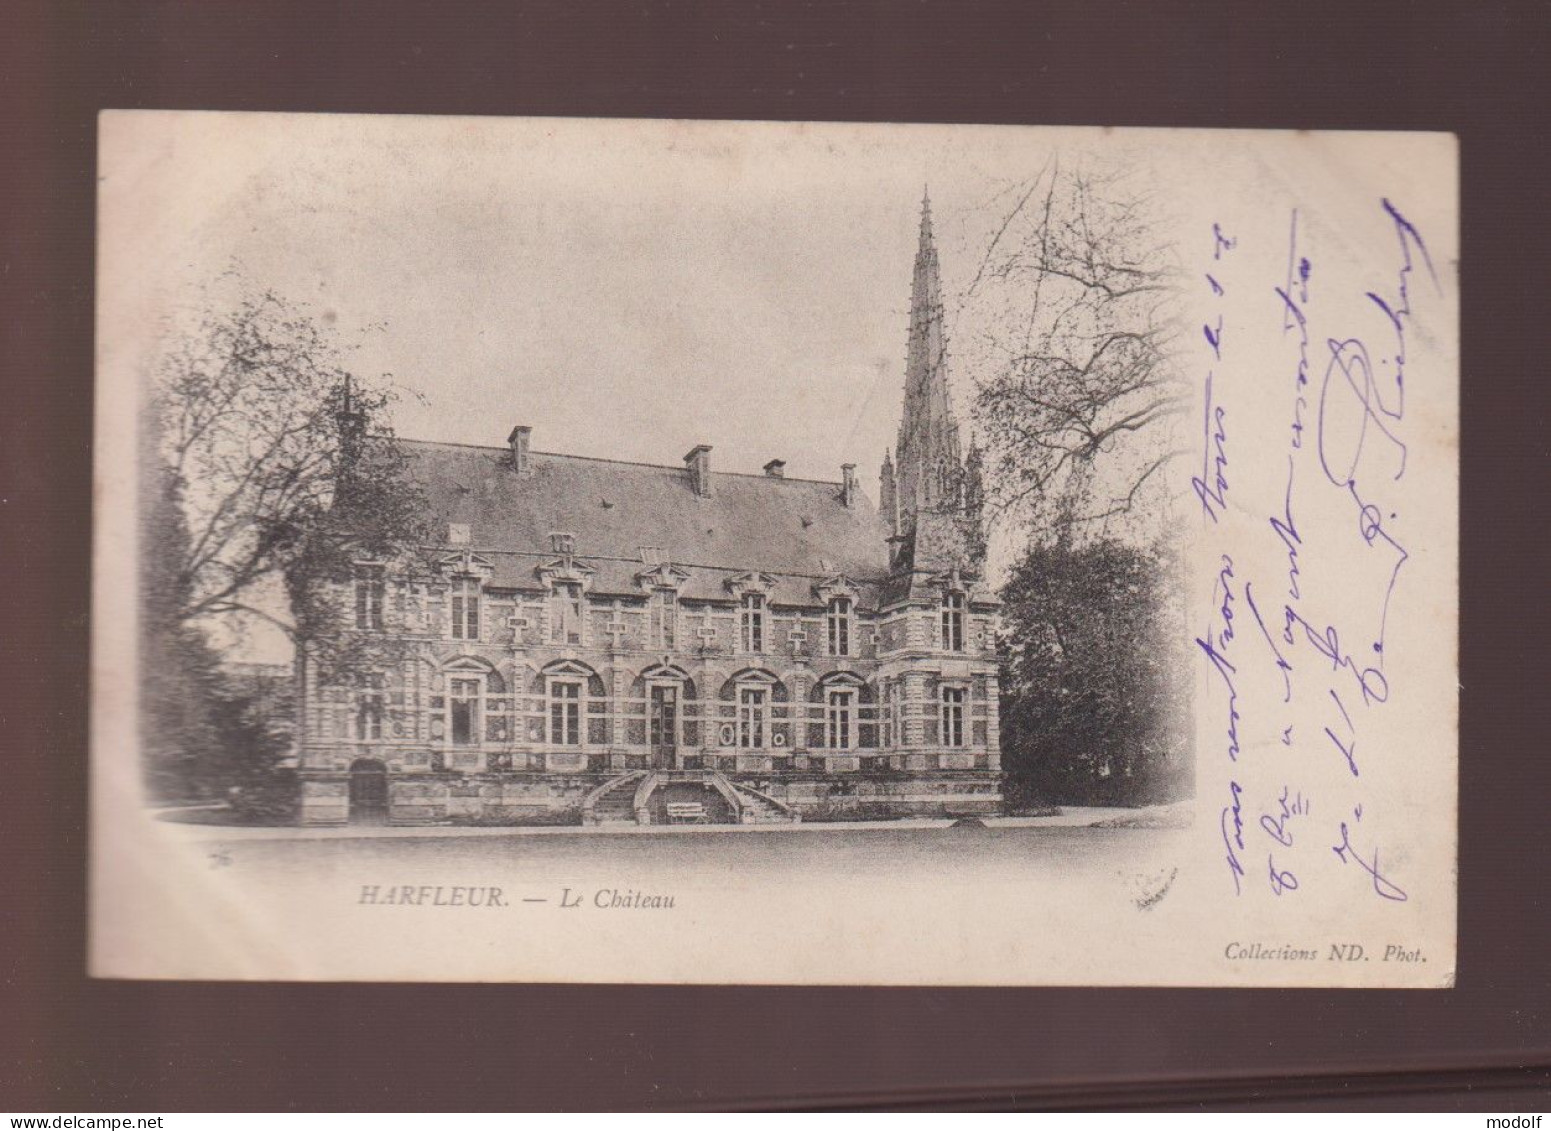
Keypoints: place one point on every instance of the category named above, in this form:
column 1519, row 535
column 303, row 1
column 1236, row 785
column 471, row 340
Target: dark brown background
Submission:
column 69, row 1044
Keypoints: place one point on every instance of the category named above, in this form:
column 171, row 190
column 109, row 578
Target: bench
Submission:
column 686, row 813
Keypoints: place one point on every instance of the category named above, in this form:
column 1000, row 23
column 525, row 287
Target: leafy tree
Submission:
column 1078, row 401
column 265, row 460
column 179, row 672
column 1092, row 674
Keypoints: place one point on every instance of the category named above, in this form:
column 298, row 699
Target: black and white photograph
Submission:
column 610, row 551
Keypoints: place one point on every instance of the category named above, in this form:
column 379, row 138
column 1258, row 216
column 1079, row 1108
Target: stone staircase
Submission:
column 613, row 802
column 756, row 808
column 628, row 799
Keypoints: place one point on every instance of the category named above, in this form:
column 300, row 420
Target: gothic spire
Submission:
column 929, row 464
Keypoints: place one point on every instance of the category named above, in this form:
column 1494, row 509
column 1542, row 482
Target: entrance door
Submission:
column 665, row 718
column 368, row 793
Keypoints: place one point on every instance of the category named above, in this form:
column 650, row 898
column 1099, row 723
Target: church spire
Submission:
column 928, row 468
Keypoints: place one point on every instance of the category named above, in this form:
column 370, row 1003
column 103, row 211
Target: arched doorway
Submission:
column 368, row 792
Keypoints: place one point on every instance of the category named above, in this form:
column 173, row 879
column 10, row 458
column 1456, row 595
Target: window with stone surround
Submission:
column 890, row 695
column 839, row 622
column 567, row 612
column 751, row 717
column 753, row 622
column 369, row 699
column 464, row 693
column 565, row 712
column 465, row 608
column 370, row 585
column 664, row 614
column 953, row 621
column 839, row 702
column 953, row 716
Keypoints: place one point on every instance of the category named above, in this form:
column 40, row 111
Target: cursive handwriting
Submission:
column 1290, row 805
column 1370, row 680
column 1399, row 312
column 1319, row 598
column 1281, row 881
column 1211, row 486
column 1294, row 300
column 1233, row 840
column 1215, row 644
column 1282, row 666
column 1382, row 886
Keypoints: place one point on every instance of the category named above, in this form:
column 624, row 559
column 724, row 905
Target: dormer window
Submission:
column 465, row 608
column 753, row 622
column 839, row 620
column 953, row 621
column 664, row 614
column 566, row 611
column 369, row 588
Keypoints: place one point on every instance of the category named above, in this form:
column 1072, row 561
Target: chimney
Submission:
column 698, row 461
column 776, row 469
column 848, row 484
column 519, row 442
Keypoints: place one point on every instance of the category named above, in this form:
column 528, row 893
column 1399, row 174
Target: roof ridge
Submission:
column 624, row 462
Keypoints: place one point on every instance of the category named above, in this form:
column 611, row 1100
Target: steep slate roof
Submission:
column 797, row 530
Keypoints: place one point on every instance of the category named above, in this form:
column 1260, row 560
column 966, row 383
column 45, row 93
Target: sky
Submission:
column 627, row 289
column 630, row 289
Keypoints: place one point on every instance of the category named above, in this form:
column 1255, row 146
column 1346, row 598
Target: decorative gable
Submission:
column 465, row 563
column 664, row 576
column 565, row 569
column 837, row 586
column 751, row 583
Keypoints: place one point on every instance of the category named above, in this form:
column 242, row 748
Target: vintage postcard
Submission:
column 605, row 551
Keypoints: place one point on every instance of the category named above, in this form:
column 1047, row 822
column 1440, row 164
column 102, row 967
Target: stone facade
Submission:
column 590, row 630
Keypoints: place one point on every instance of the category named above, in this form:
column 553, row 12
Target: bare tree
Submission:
column 1078, row 396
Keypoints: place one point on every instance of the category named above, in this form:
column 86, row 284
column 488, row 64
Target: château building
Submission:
column 591, row 640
